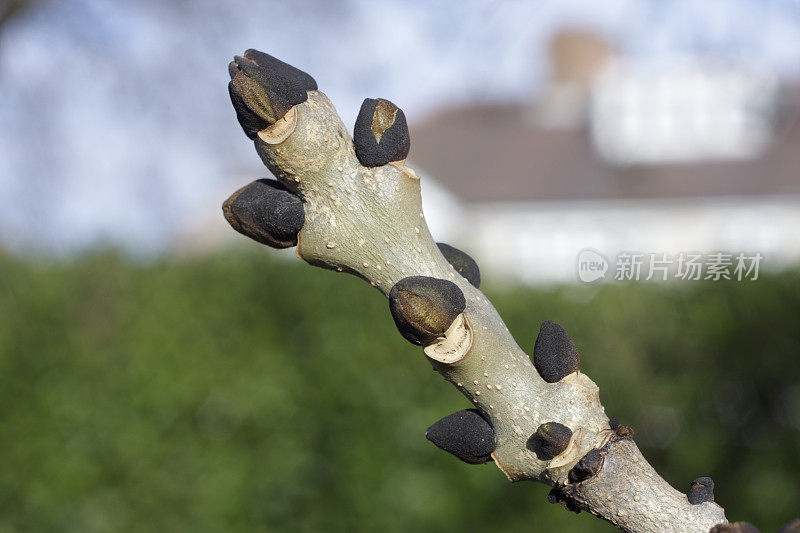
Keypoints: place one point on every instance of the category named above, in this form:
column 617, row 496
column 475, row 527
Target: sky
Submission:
column 115, row 123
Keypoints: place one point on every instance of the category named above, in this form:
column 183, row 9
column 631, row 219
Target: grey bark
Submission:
column 369, row 222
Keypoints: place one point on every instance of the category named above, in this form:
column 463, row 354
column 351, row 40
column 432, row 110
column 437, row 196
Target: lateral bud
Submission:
column 555, row 356
column 465, row 434
column 423, row 308
column 381, row 133
column 588, row 466
column 549, row 440
column 701, row 491
column 462, row 262
column 266, row 212
column 626, row 432
column 556, row 495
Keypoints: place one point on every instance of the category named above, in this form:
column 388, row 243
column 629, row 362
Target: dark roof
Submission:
column 495, row 153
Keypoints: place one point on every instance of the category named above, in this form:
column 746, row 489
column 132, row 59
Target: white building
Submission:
column 680, row 156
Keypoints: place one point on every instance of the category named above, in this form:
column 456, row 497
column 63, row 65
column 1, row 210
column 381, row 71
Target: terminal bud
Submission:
column 263, row 89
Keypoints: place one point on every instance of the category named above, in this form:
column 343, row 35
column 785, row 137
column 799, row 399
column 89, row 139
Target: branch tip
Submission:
column 263, row 89
column 274, row 67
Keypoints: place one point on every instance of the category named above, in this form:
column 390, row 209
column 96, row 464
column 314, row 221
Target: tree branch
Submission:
column 361, row 213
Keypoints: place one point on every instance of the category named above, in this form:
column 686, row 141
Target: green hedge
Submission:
column 241, row 393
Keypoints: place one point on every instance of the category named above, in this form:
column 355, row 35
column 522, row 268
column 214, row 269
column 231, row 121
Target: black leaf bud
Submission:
column 550, row 440
column 554, row 354
column 588, row 466
column 424, row 307
column 266, row 212
column 462, row 262
column 702, row 490
column 263, row 89
column 556, row 495
column 465, row 434
column 381, row 133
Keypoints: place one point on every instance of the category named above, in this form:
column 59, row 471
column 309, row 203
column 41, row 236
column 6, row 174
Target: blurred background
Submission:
column 160, row 371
